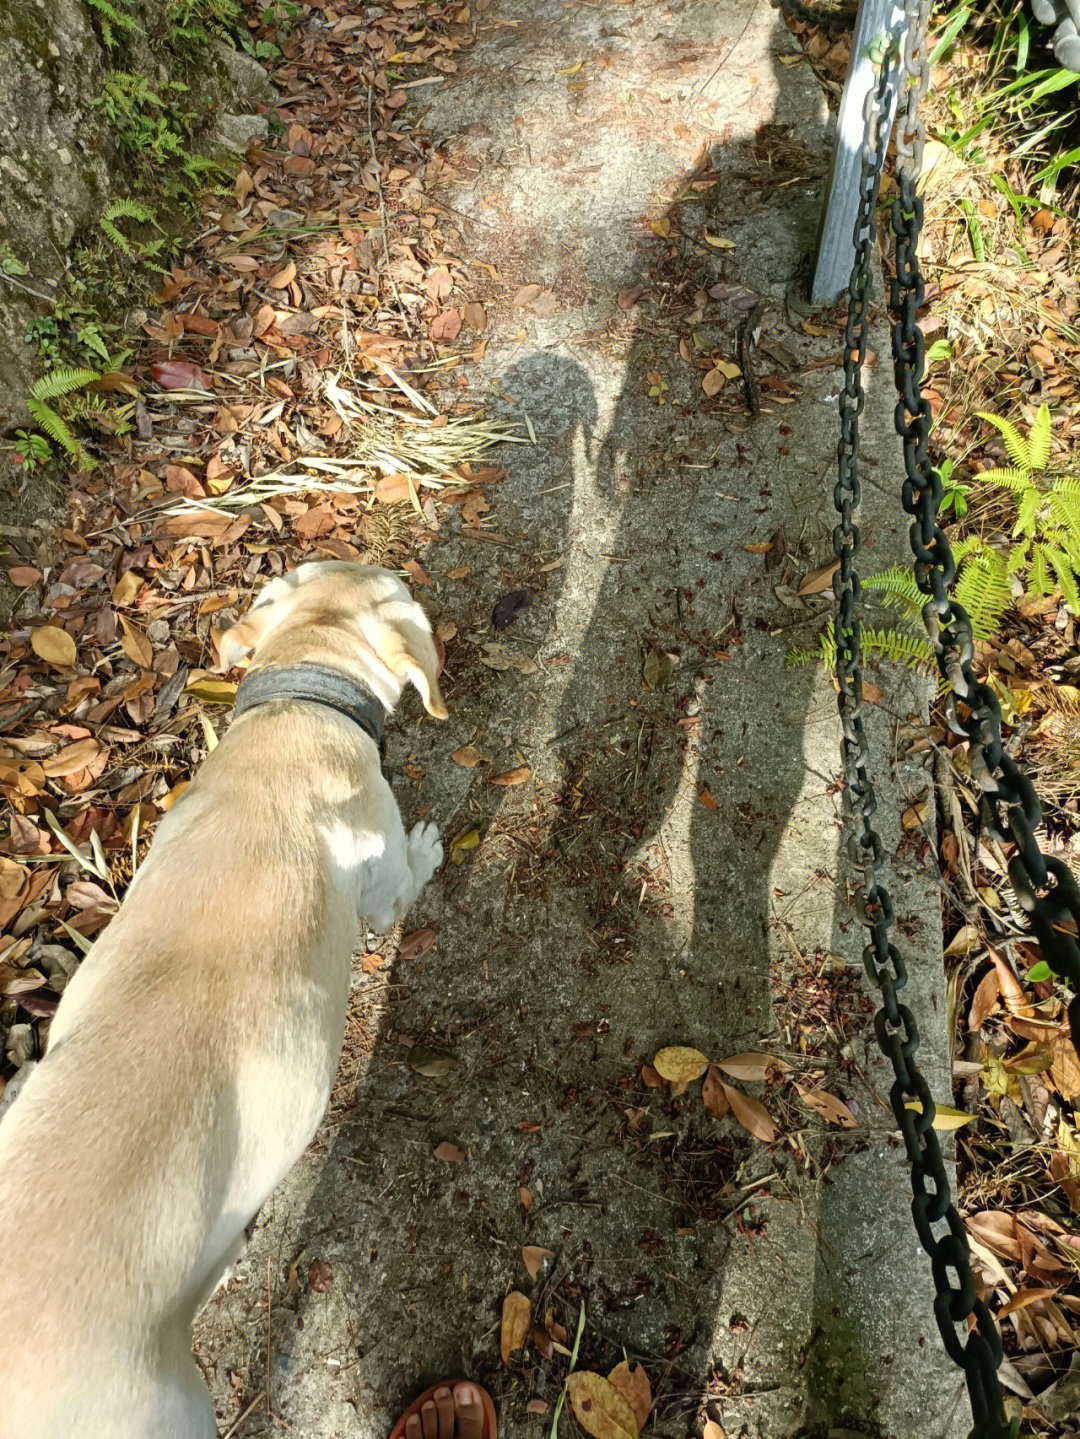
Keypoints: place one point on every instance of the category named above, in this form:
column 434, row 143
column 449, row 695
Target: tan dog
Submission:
column 192, row 1055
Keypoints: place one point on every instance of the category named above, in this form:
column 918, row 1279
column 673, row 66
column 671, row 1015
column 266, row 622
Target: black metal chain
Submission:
column 1008, row 808
column 937, row 1220
column 832, row 19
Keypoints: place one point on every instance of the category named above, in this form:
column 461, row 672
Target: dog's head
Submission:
column 357, row 618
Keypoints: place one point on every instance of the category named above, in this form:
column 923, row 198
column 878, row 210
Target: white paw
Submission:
column 425, row 851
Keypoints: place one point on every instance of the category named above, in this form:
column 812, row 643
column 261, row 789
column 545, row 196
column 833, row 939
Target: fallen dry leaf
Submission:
column 467, row 757
column 320, row 1276
column 752, row 1067
column 633, row 1385
column 415, row 944
column 712, row 1430
column 449, row 1153
column 23, row 575
column 516, row 1322
column 650, row 1079
column 532, row 1256
column 753, row 1117
column 818, row 580
column 599, row 1407
column 834, row 1110
column 679, row 1064
column 54, row 645
column 511, row 776
column 135, row 644
column 707, row 798
column 712, row 1093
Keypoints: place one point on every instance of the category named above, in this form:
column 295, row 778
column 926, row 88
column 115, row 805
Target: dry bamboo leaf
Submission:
column 533, row 1256
column 945, row 1116
column 1012, row 991
column 679, row 1064
column 752, row 1115
column 752, row 1067
column 599, row 1408
column 984, row 1001
column 633, row 1385
column 1022, row 1298
column 54, row 645
column 1065, row 1069
column 516, row 1322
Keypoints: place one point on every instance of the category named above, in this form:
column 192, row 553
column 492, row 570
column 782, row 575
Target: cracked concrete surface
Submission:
column 609, row 908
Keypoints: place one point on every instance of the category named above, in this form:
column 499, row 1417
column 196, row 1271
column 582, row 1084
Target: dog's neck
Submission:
column 314, row 684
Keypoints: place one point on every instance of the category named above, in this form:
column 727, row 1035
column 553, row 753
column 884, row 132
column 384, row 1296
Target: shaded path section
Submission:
column 668, row 873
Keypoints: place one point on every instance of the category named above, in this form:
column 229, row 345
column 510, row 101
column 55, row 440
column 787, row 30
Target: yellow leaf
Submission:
column 516, row 1319
column 135, row 644
column 717, row 242
column 126, row 588
column 571, row 69
column 54, row 645
column 945, row 1117
column 729, row 370
column 213, row 692
column 633, row 1385
column 599, row 1407
column 712, row 382
column 661, row 227
column 679, row 1064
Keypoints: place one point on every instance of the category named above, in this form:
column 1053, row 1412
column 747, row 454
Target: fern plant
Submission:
column 126, row 209
column 115, row 21
column 1045, row 553
column 67, row 380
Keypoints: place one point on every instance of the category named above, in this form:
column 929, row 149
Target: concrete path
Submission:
column 669, row 872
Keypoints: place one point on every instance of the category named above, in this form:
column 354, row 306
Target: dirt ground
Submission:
column 668, row 871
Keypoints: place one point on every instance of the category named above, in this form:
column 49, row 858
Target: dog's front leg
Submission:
column 415, row 859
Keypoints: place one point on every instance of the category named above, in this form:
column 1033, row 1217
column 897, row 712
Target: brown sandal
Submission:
column 490, row 1430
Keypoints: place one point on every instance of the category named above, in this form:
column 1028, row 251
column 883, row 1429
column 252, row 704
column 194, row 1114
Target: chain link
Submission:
column 832, row 20
column 967, row 1327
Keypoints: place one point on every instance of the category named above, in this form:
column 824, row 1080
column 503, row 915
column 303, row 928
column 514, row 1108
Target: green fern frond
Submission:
column 900, row 646
column 898, row 588
column 1015, row 445
column 1018, row 557
column 1039, row 581
column 984, row 590
column 62, row 381
column 1027, row 512
column 1038, row 444
column 969, row 545
column 1066, row 578
column 59, row 431
column 1007, row 478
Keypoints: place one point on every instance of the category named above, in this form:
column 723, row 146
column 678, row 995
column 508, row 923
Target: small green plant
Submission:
column 126, row 209
column 55, row 386
column 116, row 22
column 32, row 450
column 1045, row 554
column 10, row 263
column 953, row 493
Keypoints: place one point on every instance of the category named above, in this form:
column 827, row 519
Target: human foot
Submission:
column 448, row 1411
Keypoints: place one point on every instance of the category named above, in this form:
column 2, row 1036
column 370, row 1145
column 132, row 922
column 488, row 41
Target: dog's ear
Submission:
column 236, row 644
column 409, row 651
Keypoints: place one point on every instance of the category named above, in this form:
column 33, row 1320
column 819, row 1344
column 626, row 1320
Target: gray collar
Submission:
column 316, row 684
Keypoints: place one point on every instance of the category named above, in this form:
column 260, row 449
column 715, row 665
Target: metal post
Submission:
column 877, row 22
